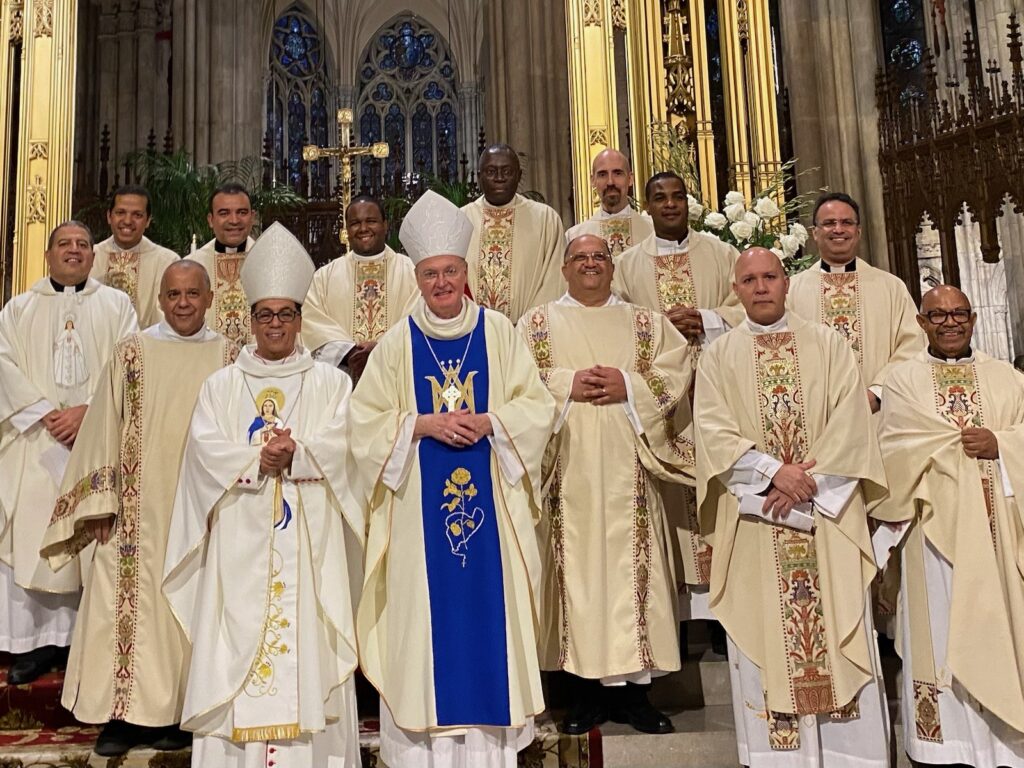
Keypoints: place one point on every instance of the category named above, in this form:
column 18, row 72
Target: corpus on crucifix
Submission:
column 344, row 152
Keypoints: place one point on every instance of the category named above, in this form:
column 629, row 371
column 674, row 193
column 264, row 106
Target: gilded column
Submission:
column 735, row 36
column 762, row 104
column 46, row 133
column 647, row 80
column 589, row 27
column 12, row 15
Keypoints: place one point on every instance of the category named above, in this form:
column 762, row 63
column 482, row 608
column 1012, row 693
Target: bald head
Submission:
column 761, row 285
column 185, row 295
column 612, row 177
column 948, row 320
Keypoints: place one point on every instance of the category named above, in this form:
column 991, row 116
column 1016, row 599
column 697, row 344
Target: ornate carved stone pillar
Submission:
column 45, row 140
column 124, row 127
column 470, row 117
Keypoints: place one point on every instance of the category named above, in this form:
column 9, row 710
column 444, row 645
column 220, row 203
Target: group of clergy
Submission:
column 511, row 450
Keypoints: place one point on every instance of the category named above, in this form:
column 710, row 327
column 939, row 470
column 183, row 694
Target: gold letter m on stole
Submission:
column 453, row 393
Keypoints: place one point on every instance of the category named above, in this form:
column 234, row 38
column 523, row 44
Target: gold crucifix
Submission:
column 345, row 153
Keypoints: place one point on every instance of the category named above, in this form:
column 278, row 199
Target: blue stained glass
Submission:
column 388, row 62
column 902, row 11
column 711, row 23
column 408, row 51
column 447, row 71
column 907, row 54
column 910, row 94
column 296, row 137
column 368, row 73
column 394, row 135
column 422, row 140
column 426, row 61
column 295, row 46
column 386, row 41
column 383, row 92
column 447, row 142
column 433, row 92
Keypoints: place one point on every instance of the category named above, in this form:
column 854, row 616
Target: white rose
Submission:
column 741, row 230
column 734, row 212
column 766, row 208
column 735, row 198
column 778, row 252
column 715, row 221
column 790, row 245
column 752, row 219
column 695, row 209
column 799, row 231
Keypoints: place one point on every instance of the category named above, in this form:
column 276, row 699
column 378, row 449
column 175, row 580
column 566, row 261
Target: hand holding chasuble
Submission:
column 454, row 420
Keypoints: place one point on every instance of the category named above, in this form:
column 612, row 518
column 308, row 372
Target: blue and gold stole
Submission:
column 460, row 533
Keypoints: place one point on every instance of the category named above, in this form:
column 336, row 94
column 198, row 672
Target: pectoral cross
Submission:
column 345, row 153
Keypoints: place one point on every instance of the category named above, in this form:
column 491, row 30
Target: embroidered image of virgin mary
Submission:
column 69, row 368
column 261, row 431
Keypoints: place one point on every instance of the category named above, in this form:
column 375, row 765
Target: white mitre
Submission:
column 435, row 226
column 277, row 267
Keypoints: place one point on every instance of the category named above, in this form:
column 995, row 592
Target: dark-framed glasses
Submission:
column 939, row 317
column 598, row 257
column 266, row 316
column 844, row 223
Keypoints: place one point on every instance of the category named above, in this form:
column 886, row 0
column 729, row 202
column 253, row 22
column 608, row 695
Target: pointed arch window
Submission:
column 298, row 102
column 407, row 96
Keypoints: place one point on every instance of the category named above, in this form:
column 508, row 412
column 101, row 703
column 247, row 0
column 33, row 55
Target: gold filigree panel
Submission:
column 17, row 29
column 39, row 150
column 599, row 136
column 593, row 13
column 36, row 202
column 42, row 18
column 619, row 14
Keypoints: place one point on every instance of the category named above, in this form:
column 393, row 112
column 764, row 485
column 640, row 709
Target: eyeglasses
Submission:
column 265, row 316
column 939, row 317
column 430, row 275
column 499, row 172
column 597, row 257
column 833, row 223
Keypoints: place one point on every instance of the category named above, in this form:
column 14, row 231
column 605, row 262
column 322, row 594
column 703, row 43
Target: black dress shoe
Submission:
column 633, row 708
column 117, row 737
column 171, row 738
column 586, row 714
column 32, row 665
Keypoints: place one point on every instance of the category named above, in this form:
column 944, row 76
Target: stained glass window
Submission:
column 904, row 40
column 298, row 107
column 407, row 83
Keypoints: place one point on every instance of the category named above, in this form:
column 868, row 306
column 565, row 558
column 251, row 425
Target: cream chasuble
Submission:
column 962, row 623
column 698, row 275
column 609, row 597
column 137, row 272
column 260, row 570
column 128, row 657
column 868, row 307
column 515, row 255
column 229, row 314
column 355, row 299
column 452, row 549
column 794, row 603
column 53, row 347
column 620, row 230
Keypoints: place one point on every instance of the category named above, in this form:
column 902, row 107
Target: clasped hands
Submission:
column 687, row 321
column 63, row 424
column 791, row 485
column 459, row 429
column 357, row 357
column 599, row 385
column 979, row 443
column 276, row 455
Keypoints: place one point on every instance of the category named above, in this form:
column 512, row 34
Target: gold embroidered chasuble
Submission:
column 277, row 561
column 355, row 300
column 515, row 255
column 620, row 232
column 229, row 314
column 700, row 277
column 868, row 307
column 30, row 324
column 792, row 602
column 393, row 622
column 128, row 657
column 609, row 596
column 960, row 507
column 137, row 272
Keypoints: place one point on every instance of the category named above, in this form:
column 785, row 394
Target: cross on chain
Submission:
column 344, row 152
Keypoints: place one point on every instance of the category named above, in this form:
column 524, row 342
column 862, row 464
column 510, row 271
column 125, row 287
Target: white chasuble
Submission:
column 136, row 271
column 451, row 553
column 515, row 255
column 806, row 663
column 620, row 230
column 356, row 299
column 271, row 558
column 53, row 347
column 962, row 617
column 229, row 314
column 609, row 599
column 128, row 656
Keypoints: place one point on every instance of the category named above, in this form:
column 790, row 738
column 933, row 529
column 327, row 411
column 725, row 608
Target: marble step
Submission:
column 703, row 681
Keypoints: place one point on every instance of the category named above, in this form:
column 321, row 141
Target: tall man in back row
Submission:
column 231, row 218
column 130, row 261
column 787, row 463
column 358, row 296
column 615, row 221
column 515, row 254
